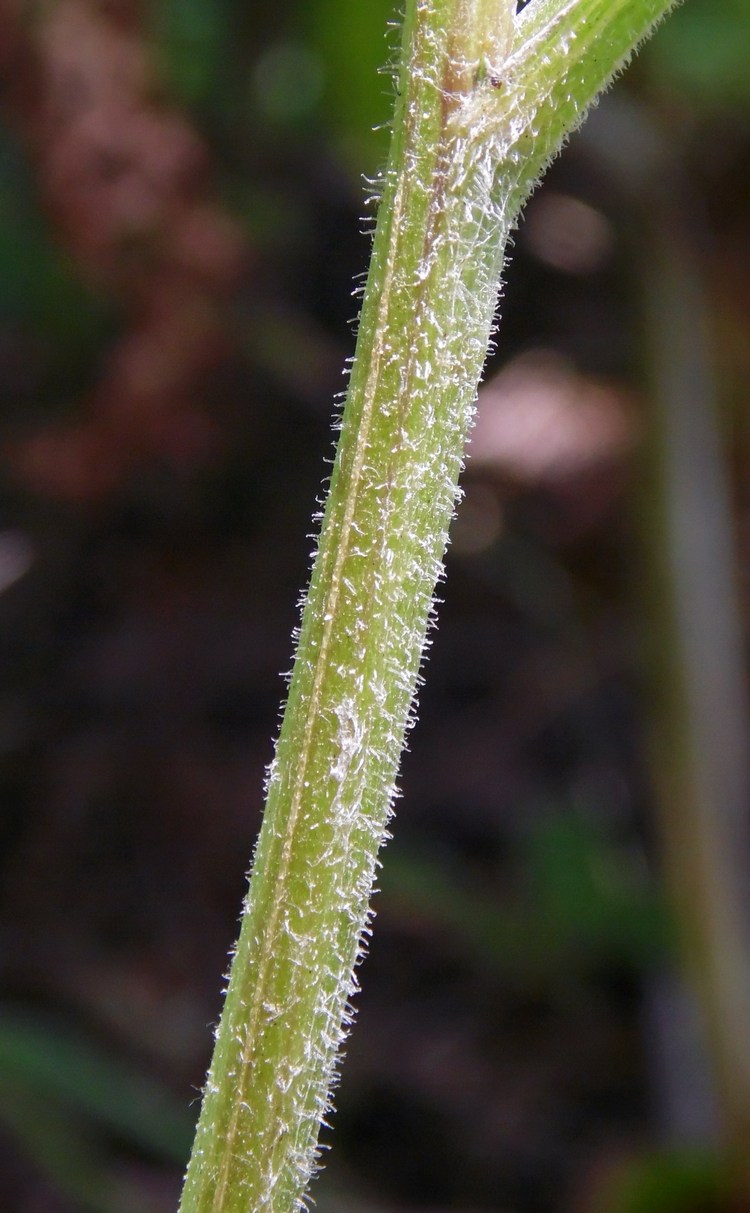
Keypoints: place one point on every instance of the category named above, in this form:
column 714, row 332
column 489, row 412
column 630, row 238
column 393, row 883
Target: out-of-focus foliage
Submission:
column 73, row 1073
column 191, row 43
column 63, row 1097
column 702, row 53
column 357, row 93
column 684, row 1182
column 577, row 905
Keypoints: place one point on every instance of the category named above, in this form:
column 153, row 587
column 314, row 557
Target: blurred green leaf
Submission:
column 592, row 895
column 62, row 1149
column 492, row 935
column 38, row 286
column 581, row 900
column 49, row 1061
column 41, row 293
column 357, row 94
column 703, row 51
column 58, row 1146
column 191, row 39
column 684, row 1181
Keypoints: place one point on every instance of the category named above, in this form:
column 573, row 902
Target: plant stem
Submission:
column 696, row 683
column 700, row 711
column 485, row 100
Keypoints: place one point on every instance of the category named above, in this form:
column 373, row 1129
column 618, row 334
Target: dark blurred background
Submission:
column 180, row 225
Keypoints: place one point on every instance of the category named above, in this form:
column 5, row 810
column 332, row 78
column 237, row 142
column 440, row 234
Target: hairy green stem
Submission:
column 485, row 99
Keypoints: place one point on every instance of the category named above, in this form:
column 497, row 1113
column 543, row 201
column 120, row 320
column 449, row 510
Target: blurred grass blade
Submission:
column 52, row 1063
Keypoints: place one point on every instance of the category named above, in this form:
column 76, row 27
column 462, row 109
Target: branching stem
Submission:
column 486, row 98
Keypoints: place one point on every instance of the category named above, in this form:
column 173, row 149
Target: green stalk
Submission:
column 695, row 658
column 485, row 100
column 697, row 667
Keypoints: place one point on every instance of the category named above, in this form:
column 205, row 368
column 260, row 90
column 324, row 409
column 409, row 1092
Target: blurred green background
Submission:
column 180, row 226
